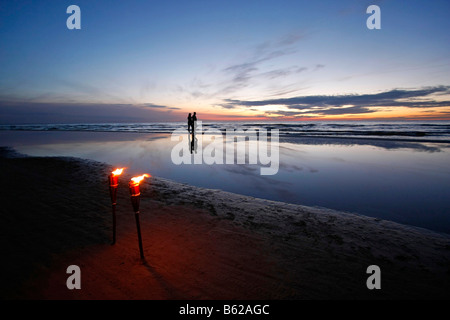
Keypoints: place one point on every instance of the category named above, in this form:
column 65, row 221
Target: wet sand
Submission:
column 199, row 244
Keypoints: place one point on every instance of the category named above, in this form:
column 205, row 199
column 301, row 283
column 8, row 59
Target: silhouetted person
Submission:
column 189, row 122
column 194, row 121
column 192, row 140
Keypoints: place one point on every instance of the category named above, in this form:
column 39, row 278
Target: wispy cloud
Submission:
column 241, row 74
column 259, row 66
column 151, row 105
column 348, row 110
column 283, row 72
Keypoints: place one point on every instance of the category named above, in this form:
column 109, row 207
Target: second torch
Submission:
column 135, row 194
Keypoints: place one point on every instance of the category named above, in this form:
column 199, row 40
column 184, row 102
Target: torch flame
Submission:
column 118, row 172
column 137, row 180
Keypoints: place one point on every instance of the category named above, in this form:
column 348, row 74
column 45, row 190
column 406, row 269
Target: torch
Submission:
column 113, row 184
column 135, row 200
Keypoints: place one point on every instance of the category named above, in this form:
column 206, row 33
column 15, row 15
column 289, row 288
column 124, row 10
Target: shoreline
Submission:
column 199, row 243
column 284, row 136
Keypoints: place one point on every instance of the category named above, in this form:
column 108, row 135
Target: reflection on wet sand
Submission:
column 380, row 143
column 407, row 182
column 192, row 139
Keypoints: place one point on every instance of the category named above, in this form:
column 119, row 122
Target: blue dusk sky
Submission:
column 145, row 61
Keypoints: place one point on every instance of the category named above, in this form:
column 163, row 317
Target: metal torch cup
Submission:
column 135, row 201
column 113, row 184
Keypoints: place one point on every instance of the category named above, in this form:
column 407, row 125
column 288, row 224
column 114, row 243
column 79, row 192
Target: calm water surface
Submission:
column 407, row 182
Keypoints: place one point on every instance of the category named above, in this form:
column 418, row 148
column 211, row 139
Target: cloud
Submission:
column 250, row 66
column 241, row 72
column 241, row 75
column 418, row 98
column 349, row 110
column 349, row 104
column 227, row 106
column 260, row 66
column 333, row 111
column 82, row 89
column 319, row 66
column 276, row 73
column 151, row 105
column 34, row 112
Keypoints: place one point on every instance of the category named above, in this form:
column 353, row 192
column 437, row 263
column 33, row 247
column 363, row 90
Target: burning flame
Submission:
column 137, row 180
column 118, row 172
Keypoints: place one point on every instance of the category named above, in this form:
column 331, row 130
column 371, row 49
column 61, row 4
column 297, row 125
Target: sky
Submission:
column 147, row 61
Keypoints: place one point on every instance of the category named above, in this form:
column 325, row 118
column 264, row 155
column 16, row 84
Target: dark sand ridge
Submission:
column 198, row 243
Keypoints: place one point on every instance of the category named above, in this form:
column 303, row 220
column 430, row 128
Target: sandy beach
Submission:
column 199, row 244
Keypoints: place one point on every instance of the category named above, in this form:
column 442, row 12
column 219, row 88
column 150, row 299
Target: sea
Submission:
column 392, row 170
column 431, row 131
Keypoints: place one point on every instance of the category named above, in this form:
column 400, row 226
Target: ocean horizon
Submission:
column 432, row 131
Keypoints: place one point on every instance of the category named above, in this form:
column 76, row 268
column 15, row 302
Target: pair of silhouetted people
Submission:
column 192, row 121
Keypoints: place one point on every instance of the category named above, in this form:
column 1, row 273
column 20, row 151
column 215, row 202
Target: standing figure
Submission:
column 189, row 122
column 194, row 121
